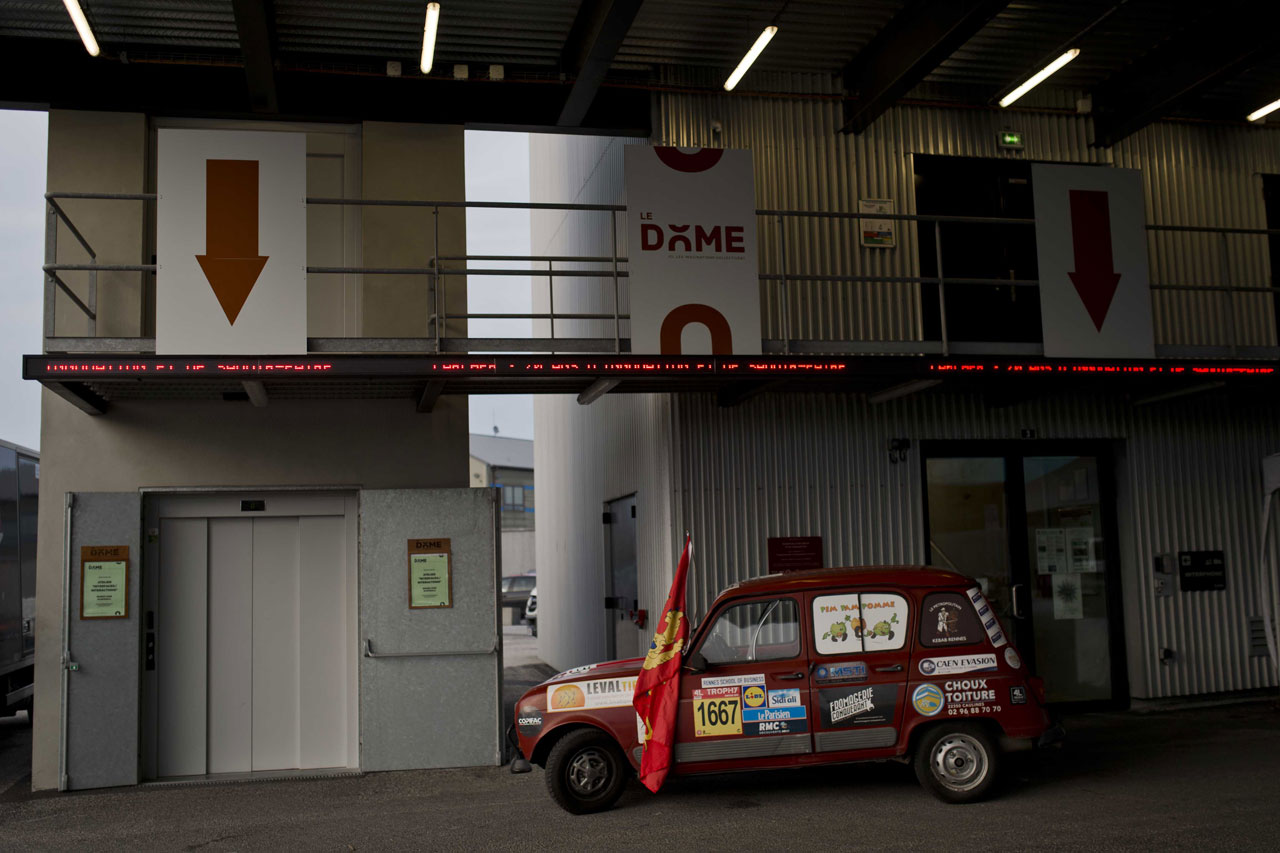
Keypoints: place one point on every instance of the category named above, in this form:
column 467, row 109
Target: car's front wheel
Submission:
column 586, row 771
column 957, row 762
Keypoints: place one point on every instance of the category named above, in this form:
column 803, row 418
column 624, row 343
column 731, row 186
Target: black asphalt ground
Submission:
column 1179, row 779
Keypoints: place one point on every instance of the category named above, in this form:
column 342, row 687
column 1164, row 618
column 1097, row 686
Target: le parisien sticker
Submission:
column 104, row 582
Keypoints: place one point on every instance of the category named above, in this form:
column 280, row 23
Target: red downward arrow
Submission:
column 1095, row 278
column 231, row 261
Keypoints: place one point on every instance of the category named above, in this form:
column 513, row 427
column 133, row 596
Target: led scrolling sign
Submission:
column 169, row 368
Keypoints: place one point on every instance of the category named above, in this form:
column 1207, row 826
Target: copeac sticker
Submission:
column 956, row 664
column 928, row 700
column 602, row 693
column 529, row 722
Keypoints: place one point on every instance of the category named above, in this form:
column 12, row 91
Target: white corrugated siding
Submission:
column 816, row 465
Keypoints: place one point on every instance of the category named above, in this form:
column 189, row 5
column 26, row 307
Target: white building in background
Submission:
column 506, row 465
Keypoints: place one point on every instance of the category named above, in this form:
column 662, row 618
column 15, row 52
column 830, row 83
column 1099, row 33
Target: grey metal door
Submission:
column 621, row 587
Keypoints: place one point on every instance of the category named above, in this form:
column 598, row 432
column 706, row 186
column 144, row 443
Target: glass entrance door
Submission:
column 1037, row 533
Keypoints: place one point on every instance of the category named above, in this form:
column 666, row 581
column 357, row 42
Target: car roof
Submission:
column 912, row 576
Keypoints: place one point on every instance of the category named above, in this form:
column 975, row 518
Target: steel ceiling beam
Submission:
column 1228, row 39
column 597, row 33
column 257, row 40
column 902, row 54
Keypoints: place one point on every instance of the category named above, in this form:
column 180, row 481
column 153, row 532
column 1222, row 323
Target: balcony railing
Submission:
column 794, row 257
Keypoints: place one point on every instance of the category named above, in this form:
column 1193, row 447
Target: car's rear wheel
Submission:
column 586, row 772
column 957, row 762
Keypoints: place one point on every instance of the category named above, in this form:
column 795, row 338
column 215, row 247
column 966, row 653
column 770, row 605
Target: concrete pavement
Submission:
column 1197, row 779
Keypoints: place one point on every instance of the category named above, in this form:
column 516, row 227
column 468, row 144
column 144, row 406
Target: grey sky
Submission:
column 22, row 178
column 497, row 170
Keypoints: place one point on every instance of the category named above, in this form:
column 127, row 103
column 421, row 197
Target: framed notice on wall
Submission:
column 104, row 582
column 430, row 574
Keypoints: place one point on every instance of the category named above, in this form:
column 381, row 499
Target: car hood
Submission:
column 606, row 669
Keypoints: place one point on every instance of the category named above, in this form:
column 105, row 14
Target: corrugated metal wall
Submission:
column 799, row 465
column 1188, row 471
column 1194, row 175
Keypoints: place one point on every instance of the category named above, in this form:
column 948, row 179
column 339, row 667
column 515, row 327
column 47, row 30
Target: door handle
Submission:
column 1015, row 599
column 897, row 667
column 792, row 677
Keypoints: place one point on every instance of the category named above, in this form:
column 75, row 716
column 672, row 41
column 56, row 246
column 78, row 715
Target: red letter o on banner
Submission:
column 673, row 324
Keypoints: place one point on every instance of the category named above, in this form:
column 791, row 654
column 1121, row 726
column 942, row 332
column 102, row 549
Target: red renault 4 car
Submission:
column 819, row 667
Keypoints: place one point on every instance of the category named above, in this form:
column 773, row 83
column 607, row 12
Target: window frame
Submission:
column 708, row 626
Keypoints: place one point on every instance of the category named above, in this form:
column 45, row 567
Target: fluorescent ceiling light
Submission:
column 1263, row 112
column 429, row 36
column 82, row 26
column 1040, row 76
column 756, row 50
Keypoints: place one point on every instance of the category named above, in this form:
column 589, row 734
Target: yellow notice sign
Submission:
column 104, row 582
column 430, row 573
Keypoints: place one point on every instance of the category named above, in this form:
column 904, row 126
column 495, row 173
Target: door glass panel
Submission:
column 756, row 631
column 1068, row 566
column 968, row 531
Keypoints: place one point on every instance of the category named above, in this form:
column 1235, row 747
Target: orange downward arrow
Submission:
column 231, row 261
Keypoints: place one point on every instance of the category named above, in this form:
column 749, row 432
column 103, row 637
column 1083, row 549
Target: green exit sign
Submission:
column 1010, row 139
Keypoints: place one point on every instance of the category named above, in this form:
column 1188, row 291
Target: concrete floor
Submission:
column 1192, row 779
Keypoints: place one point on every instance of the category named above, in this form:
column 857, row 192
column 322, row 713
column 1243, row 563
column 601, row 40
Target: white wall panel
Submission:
column 276, row 645
column 182, row 646
column 230, row 645
column 323, row 642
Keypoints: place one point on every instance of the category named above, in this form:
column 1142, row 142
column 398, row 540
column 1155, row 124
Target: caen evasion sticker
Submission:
column 954, row 664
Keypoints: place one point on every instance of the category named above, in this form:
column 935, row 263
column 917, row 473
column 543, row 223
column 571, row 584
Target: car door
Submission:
column 749, row 707
column 861, row 642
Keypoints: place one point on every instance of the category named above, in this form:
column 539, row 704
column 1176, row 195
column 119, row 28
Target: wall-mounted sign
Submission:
column 794, row 553
column 877, row 232
column 1202, row 571
column 231, row 242
column 430, row 573
column 1091, row 246
column 691, row 229
column 104, row 582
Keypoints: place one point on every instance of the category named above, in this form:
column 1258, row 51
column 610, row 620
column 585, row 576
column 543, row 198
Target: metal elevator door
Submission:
column 250, row 644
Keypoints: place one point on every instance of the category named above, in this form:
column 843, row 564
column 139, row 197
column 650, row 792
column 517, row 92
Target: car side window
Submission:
column 754, row 631
column 859, row 622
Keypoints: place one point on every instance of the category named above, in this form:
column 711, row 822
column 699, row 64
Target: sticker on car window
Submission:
column 885, row 618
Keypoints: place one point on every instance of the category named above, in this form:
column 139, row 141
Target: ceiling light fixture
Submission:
column 1040, row 76
column 1263, row 112
column 756, row 49
column 429, row 36
column 82, row 26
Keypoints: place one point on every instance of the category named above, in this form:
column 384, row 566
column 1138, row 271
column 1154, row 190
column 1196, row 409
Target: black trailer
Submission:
column 19, row 495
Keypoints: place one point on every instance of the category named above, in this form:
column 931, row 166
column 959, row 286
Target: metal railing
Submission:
column 610, row 269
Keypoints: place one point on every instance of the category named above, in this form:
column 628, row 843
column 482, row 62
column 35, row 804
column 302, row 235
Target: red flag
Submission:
column 658, row 688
